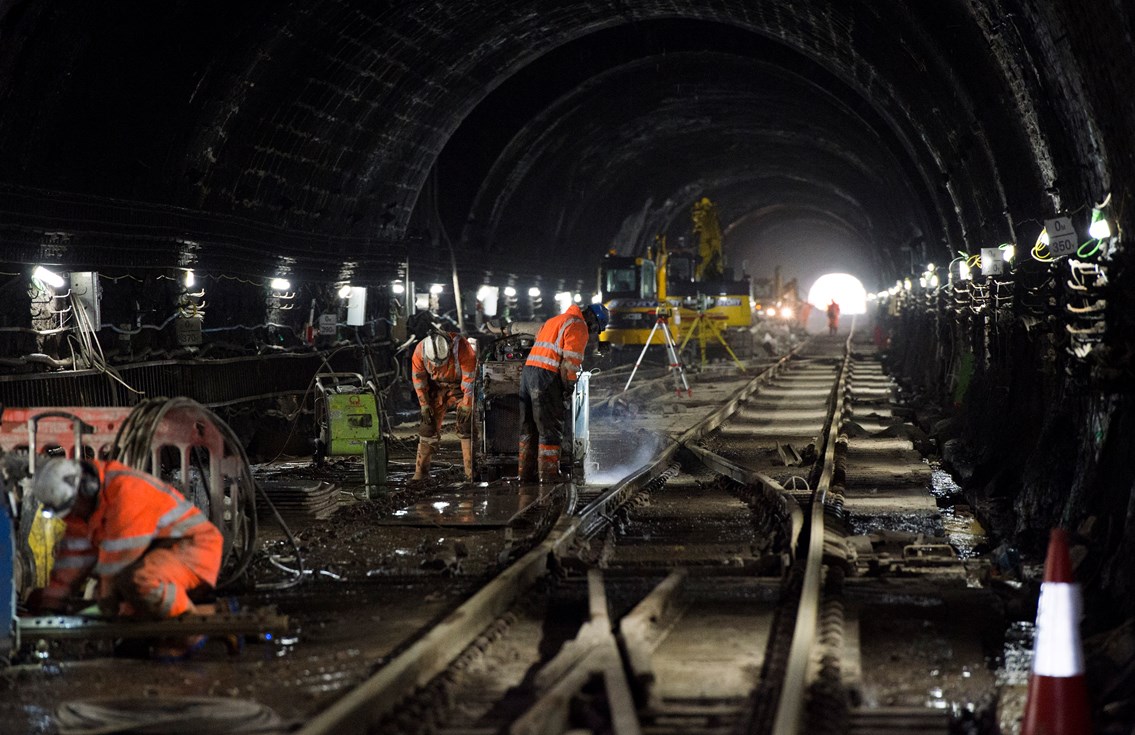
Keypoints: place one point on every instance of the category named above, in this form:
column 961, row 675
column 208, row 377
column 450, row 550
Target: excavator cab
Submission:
column 680, row 271
column 630, row 292
column 621, row 277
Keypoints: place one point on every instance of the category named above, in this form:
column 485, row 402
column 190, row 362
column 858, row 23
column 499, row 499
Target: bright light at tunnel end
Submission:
column 843, row 288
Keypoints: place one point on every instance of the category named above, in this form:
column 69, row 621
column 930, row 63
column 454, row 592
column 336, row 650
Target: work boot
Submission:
column 422, row 462
column 550, row 463
column 526, row 460
column 467, row 457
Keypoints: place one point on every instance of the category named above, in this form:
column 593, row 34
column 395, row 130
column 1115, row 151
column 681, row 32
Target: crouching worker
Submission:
column 149, row 548
column 442, row 367
column 546, row 385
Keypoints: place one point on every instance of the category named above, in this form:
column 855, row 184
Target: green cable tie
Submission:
column 1080, row 250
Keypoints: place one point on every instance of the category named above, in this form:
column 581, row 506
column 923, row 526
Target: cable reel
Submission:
column 188, row 446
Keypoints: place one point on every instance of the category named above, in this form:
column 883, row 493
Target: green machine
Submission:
column 346, row 410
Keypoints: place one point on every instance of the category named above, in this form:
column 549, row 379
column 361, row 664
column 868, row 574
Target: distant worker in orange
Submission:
column 833, row 317
column 151, row 550
column 547, row 384
column 442, row 367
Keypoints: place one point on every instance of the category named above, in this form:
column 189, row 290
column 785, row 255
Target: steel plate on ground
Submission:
column 495, row 505
column 298, row 499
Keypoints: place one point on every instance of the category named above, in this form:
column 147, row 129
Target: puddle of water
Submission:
column 942, row 485
column 285, row 645
column 1017, row 654
column 964, row 531
column 966, row 534
column 1012, row 676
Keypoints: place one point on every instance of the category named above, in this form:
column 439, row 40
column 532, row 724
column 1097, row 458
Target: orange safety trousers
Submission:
column 158, row 584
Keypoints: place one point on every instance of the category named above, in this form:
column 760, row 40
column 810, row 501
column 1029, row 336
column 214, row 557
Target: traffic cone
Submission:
column 1058, row 694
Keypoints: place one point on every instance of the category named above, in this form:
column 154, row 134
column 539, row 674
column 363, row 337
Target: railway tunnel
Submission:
column 221, row 201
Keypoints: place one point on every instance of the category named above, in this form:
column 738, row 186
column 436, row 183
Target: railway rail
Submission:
column 732, row 583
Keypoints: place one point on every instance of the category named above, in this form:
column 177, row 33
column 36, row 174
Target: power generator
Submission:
column 348, row 423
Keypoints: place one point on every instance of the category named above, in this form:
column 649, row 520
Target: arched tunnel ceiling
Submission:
column 325, row 118
column 624, row 157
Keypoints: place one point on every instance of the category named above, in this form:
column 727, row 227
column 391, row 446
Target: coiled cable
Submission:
column 133, row 445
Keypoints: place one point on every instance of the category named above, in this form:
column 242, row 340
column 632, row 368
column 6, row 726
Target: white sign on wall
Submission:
column 1061, row 236
column 992, row 263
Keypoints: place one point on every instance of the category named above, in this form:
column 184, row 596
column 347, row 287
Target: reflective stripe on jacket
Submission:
column 451, row 371
column 133, row 510
column 560, row 344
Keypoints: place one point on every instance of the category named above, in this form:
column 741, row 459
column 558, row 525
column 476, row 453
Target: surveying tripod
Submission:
column 663, row 320
column 705, row 326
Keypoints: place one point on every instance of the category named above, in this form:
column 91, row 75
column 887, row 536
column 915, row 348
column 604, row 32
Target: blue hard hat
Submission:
column 602, row 316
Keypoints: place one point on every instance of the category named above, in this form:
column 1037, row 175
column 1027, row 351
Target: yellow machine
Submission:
column 630, row 291
column 689, row 285
column 779, row 300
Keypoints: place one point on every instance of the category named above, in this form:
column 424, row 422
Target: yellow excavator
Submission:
column 685, row 284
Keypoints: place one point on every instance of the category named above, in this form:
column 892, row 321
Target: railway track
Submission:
column 721, row 590
column 732, row 583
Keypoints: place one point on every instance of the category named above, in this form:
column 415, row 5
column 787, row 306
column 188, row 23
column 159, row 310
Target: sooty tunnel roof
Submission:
column 534, row 136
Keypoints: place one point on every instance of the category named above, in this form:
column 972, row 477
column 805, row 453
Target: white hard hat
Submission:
column 436, row 348
column 56, row 485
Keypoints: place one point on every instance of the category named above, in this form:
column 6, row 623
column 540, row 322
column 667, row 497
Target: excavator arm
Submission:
column 711, row 264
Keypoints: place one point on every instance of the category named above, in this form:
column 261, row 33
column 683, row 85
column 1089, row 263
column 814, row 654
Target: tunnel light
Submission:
column 597, row 298
column 930, row 268
column 843, row 288
column 577, row 298
column 356, row 305
column 487, row 298
column 509, row 291
column 436, row 288
column 190, row 280
column 963, row 270
column 922, row 282
column 281, row 284
column 934, row 280
column 563, row 300
column 1007, row 252
column 397, row 288
column 786, row 312
column 906, row 284
column 534, row 292
column 47, row 277
column 345, row 291
column 770, row 311
column 1099, row 229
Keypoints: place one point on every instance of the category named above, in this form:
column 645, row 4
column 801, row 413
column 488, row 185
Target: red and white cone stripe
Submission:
column 1058, row 693
column 1057, row 651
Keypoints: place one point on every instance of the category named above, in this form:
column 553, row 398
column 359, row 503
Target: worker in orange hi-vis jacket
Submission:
column 546, row 384
column 442, row 368
column 833, row 317
column 149, row 548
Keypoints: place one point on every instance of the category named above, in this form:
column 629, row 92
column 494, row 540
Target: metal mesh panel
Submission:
column 212, row 383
